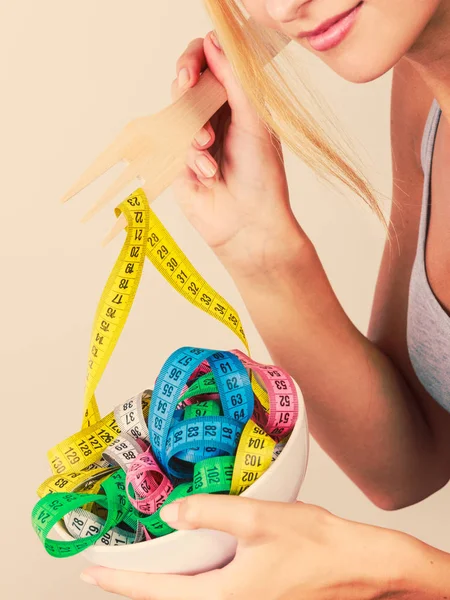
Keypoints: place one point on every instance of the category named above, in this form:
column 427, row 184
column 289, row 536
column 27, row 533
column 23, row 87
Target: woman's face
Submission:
column 367, row 41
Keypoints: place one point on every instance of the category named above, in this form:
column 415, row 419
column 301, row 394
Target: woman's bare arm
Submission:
column 411, row 102
column 361, row 409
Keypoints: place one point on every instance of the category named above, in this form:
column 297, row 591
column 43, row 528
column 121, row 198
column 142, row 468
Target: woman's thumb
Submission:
column 241, row 517
column 242, row 111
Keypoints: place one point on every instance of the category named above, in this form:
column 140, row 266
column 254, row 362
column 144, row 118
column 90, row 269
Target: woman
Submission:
column 383, row 410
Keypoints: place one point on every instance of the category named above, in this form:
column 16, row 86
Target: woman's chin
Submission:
column 364, row 76
column 362, row 71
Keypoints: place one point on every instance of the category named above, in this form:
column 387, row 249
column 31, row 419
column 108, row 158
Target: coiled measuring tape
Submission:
column 208, row 426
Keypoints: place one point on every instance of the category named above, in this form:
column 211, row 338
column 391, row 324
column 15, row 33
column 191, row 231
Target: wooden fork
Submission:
column 154, row 147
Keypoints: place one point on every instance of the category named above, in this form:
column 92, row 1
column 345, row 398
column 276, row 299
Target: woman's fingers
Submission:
column 199, row 161
column 189, row 66
column 193, row 59
column 206, row 136
column 245, row 518
column 202, row 163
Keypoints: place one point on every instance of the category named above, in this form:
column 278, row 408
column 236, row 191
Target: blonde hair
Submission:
column 249, row 48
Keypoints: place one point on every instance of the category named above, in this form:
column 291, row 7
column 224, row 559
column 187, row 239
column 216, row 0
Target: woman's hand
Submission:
column 285, row 551
column 243, row 211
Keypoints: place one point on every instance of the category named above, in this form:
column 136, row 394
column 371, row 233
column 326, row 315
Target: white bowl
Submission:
column 195, row 551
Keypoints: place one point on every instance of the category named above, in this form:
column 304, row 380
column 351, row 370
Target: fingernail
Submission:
column 205, row 166
column 169, row 513
column 88, row 579
column 215, row 40
column 183, row 77
column 202, row 137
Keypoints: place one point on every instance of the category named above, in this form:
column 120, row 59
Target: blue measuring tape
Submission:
column 203, row 437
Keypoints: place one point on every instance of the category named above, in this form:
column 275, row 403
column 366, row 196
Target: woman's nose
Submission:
column 285, row 11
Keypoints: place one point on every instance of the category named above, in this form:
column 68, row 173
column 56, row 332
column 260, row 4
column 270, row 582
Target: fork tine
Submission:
column 124, row 178
column 119, row 225
column 114, row 153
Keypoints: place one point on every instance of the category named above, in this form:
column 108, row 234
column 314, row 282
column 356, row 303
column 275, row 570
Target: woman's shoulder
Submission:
column 411, row 100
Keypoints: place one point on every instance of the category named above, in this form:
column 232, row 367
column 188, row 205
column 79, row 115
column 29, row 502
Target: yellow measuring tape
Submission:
column 79, row 457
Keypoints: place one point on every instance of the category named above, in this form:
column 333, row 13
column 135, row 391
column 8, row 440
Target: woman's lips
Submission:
column 334, row 35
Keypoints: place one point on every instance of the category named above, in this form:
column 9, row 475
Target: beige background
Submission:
column 73, row 73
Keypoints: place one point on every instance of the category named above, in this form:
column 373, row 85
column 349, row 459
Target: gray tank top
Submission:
column 428, row 325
